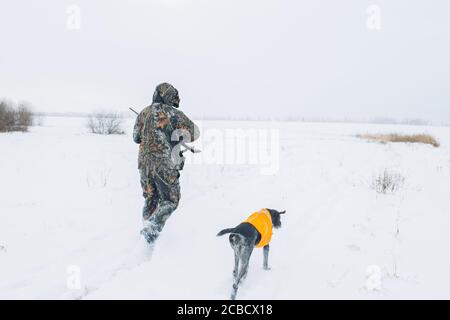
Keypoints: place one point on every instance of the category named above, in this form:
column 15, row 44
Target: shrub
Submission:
column 24, row 117
column 6, row 117
column 105, row 123
column 415, row 138
column 387, row 182
column 15, row 117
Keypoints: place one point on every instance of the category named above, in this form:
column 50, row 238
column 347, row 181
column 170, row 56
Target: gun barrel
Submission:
column 135, row 112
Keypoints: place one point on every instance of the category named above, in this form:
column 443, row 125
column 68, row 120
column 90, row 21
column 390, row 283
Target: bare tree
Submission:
column 5, row 116
column 15, row 118
column 24, row 116
column 105, row 123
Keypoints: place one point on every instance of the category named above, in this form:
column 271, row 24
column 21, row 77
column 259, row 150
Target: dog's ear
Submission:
column 283, row 212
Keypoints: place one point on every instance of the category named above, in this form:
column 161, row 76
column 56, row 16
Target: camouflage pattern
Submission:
column 162, row 194
column 157, row 129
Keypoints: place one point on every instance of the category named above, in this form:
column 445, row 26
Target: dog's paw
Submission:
column 234, row 292
column 267, row 268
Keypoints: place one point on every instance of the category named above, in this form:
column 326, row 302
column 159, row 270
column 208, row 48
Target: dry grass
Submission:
column 414, row 138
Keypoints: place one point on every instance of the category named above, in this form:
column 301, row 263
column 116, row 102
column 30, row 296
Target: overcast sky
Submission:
column 311, row 58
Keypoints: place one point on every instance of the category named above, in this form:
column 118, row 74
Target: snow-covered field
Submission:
column 71, row 203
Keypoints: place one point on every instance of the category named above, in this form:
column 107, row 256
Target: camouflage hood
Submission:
column 167, row 94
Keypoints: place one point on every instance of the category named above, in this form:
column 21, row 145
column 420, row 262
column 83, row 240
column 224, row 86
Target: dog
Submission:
column 255, row 232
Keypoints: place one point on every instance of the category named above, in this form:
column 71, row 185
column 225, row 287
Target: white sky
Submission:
column 313, row 58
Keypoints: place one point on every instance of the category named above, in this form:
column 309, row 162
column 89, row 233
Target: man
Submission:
column 159, row 129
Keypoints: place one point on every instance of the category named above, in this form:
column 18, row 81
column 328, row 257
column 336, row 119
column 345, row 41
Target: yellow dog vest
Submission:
column 262, row 221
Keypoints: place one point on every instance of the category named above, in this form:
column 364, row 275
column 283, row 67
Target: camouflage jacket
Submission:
column 157, row 130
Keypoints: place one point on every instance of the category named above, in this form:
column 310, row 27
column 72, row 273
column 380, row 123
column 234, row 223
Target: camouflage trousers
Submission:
column 161, row 191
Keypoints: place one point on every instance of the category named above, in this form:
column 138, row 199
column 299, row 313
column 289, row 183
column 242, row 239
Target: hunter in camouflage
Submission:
column 158, row 130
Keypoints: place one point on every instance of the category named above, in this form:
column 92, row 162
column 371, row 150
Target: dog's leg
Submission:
column 266, row 257
column 246, row 252
column 236, row 263
column 245, row 260
column 234, row 239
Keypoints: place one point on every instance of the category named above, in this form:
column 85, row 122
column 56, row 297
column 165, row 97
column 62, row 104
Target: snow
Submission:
column 71, row 202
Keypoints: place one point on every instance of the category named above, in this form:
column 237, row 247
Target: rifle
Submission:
column 187, row 147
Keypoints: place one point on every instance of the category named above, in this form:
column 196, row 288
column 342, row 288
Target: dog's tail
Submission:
column 225, row 231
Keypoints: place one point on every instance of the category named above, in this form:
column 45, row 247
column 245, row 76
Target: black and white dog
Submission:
column 256, row 231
